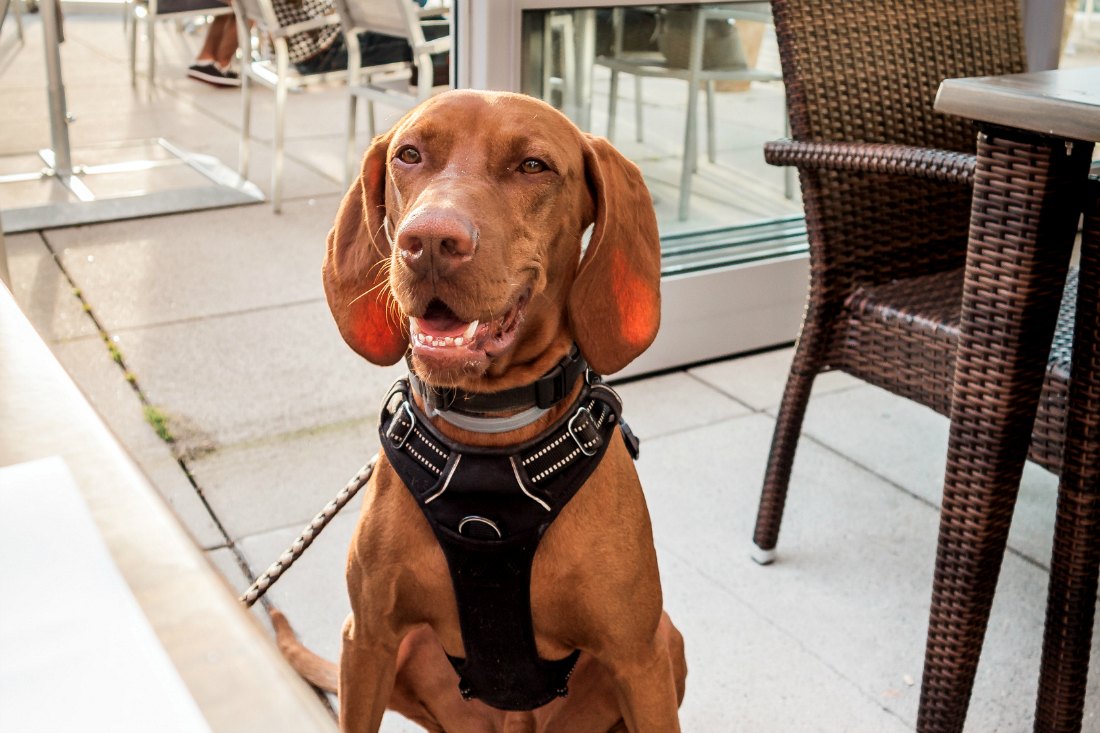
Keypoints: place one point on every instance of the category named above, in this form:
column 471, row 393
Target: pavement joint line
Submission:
column 720, row 391
column 119, row 359
column 212, row 316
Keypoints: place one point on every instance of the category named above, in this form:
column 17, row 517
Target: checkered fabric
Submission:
column 303, row 46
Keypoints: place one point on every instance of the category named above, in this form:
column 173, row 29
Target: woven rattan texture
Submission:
column 1076, row 556
column 1022, row 223
column 892, row 197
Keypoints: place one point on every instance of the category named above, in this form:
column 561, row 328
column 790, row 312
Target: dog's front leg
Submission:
column 646, row 687
column 368, row 667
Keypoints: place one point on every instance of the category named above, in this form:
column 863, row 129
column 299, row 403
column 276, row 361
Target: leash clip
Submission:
column 576, row 438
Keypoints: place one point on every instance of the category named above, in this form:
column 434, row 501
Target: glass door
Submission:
column 690, row 92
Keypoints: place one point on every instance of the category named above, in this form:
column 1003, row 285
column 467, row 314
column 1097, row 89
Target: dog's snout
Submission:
column 436, row 242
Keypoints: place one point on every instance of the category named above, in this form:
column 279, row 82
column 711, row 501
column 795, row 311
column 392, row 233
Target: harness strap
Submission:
column 489, row 508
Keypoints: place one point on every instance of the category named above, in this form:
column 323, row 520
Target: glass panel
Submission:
column 627, row 72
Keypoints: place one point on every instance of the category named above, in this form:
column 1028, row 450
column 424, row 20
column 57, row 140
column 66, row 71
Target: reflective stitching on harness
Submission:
column 546, row 449
column 551, row 446
column 422, row 459
column 428, row 443
column 556, row 466
column 515, row 471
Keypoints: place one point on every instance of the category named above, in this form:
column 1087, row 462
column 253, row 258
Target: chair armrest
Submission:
column 939, row 165
column 437, row 45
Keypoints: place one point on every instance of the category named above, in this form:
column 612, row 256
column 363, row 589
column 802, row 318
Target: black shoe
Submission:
column 211, row 74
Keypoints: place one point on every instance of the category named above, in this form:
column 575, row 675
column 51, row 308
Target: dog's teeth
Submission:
column 449, row 341
column 414, row 325
column 470, row 328
column 459, row 341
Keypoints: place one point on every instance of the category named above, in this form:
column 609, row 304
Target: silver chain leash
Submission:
column 265, row 581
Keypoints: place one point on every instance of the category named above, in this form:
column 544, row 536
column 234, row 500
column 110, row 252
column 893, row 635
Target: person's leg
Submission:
column 218, row 50
column 227, row 43
column 215, row 33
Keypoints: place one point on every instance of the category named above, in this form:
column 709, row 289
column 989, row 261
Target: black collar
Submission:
column 547, row 391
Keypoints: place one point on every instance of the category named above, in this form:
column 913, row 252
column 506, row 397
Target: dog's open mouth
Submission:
column 439, row 335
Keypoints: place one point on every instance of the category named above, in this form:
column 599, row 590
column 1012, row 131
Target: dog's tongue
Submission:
column 439, row 321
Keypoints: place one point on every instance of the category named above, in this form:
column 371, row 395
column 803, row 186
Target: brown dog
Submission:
column 462, row 239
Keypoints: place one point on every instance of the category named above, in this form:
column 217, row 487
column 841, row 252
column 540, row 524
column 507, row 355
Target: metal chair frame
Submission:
column 654, row 65
column 388, row 83
column 274, row 74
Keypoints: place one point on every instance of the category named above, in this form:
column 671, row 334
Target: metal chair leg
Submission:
column 354, row 73
column 132, row 34
column 712, row 147
column 150, row 41
column 691, row 133
column 244, row 40
column 282, row 67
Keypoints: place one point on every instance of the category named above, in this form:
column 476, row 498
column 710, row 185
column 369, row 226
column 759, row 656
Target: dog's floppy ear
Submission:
column 615, row 301
column 356, row 266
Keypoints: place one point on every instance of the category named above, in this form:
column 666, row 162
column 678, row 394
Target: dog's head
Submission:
column 462, row 239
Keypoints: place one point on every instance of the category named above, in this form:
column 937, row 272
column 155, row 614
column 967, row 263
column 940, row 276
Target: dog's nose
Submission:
column 436, row 242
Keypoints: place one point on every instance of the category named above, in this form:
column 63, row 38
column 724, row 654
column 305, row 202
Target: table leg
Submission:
column 1071, row 601
column 1026, row 199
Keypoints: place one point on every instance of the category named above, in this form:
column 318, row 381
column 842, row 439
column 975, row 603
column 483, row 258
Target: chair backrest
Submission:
column 259, row 12
column 391, row 17
column 868, row 71
column 162, row 8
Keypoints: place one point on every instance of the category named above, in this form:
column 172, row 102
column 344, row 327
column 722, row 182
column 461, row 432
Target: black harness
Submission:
column 489, row 508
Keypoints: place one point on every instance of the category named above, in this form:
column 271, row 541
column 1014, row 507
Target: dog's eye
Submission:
column 533, row 165
column 409, row 155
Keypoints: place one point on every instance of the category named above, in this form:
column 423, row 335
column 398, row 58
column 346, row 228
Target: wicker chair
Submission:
column 886, row 185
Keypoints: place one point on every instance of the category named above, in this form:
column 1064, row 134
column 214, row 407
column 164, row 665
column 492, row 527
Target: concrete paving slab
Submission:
column 152, row 271
column 316, row 110
column 907, row 444
column 673, row 402
column 284, row 481
column 102, row 382
column 301, row 180
column 43, row 292
column 745, row 673
column 853, row 580
column 104, row 116
column 758, row 380
column 83, row 62
column 260, row 373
